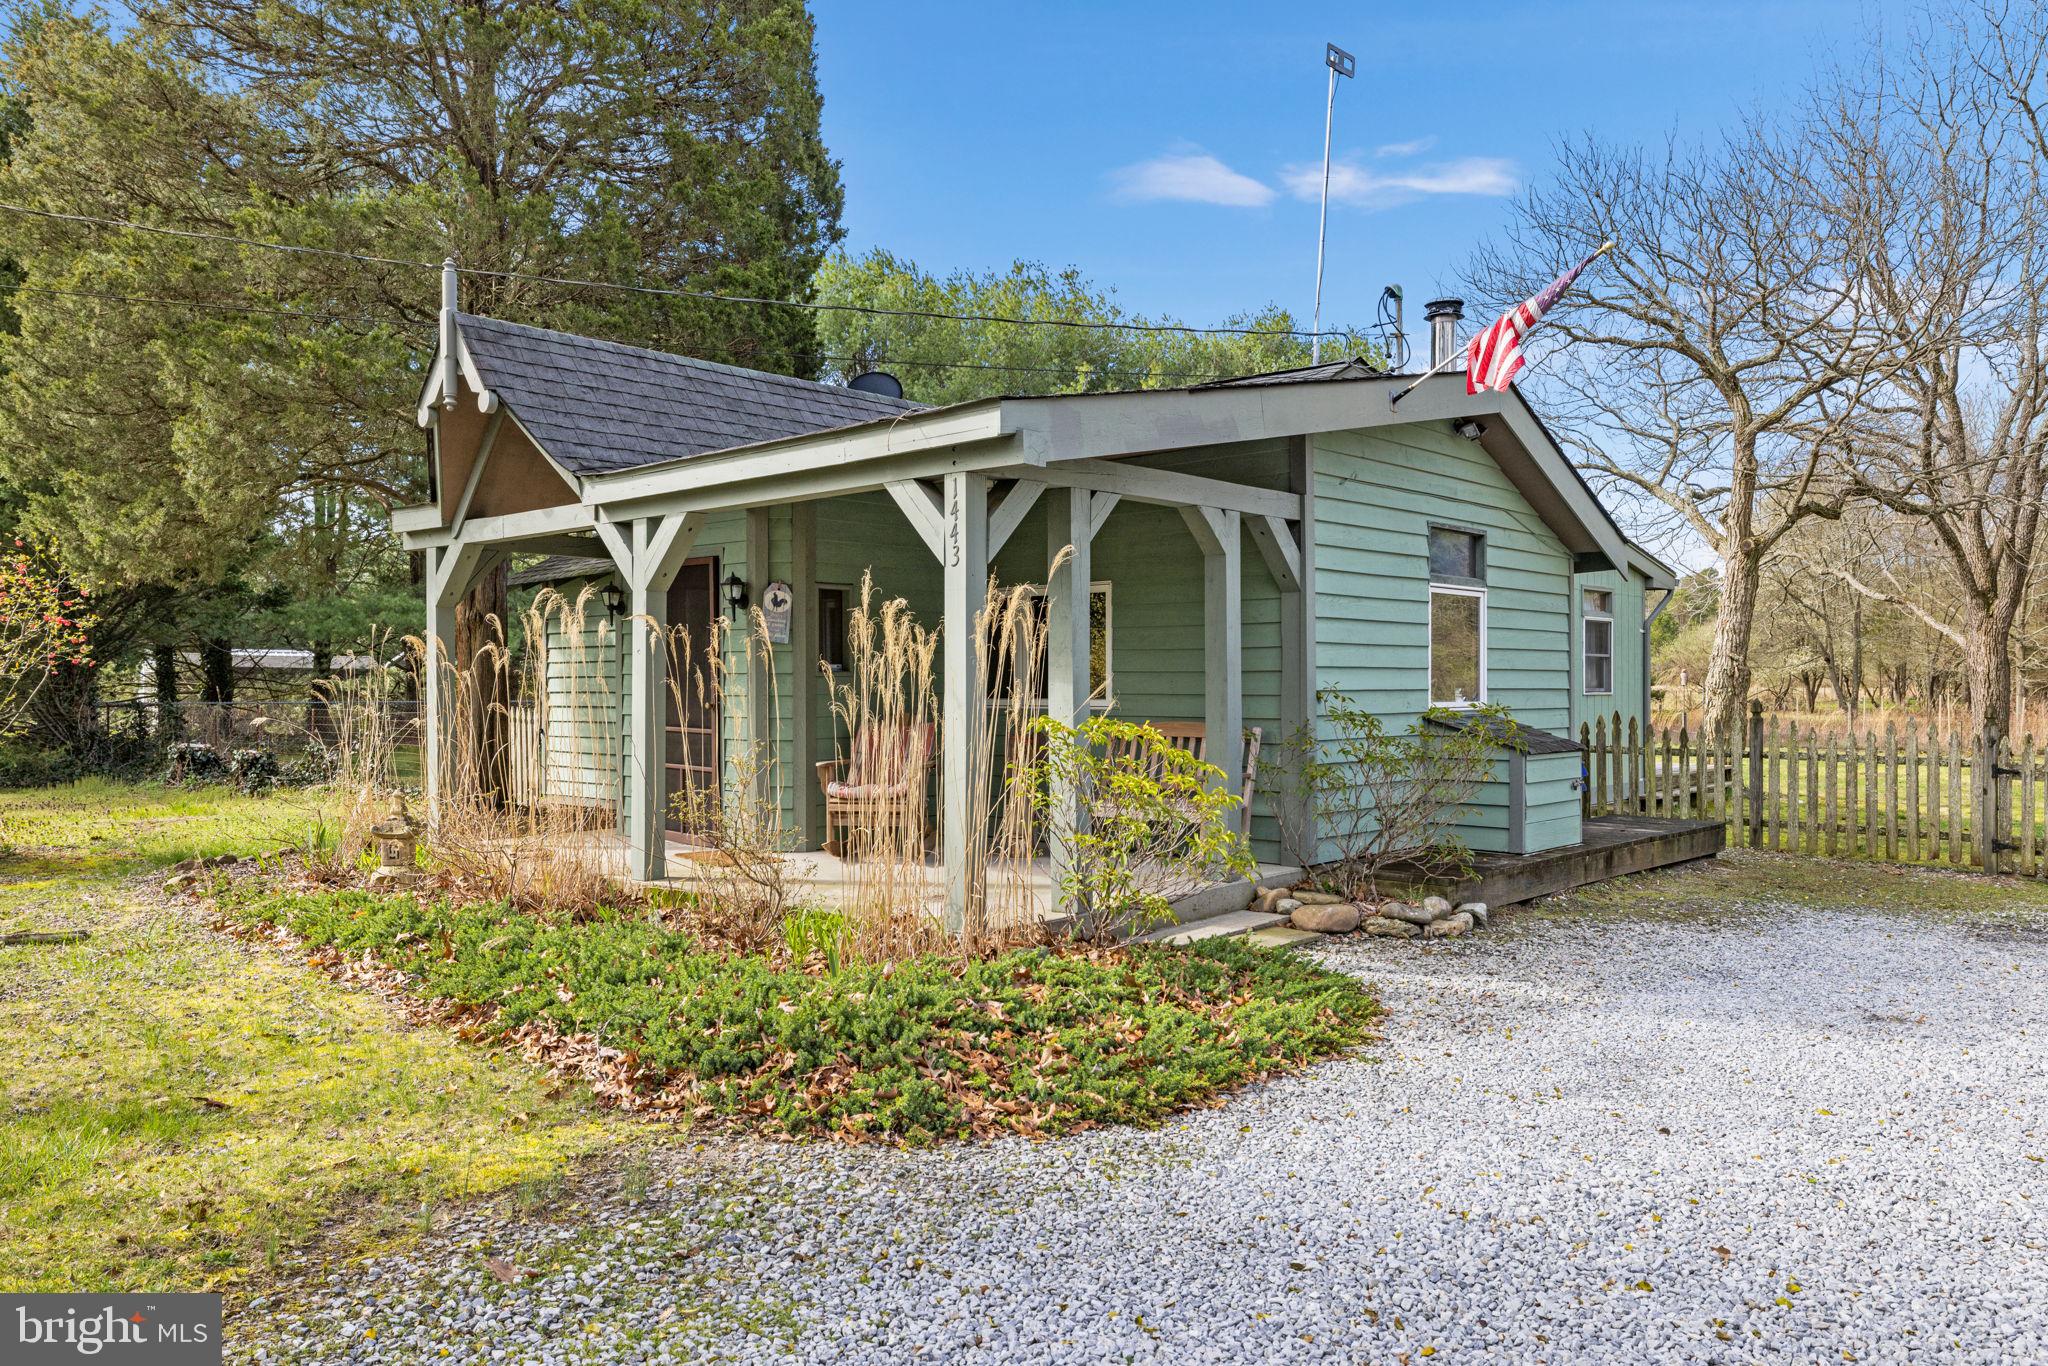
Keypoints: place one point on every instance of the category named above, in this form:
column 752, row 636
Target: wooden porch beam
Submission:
column 1276, row 543
column 1164, row 487
column 511, row 527
column 1100, row 505
column 920, row 505
column 476, row 471
column 1005, row 519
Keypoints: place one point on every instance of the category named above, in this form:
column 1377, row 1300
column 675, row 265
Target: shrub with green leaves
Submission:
column 1380, row 797
column 1035, row 1041
column 1145, row 822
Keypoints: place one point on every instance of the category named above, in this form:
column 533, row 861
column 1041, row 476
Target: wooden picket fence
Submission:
column 1899, row 797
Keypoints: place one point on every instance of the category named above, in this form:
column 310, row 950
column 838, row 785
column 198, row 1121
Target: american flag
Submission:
column 1494, row 355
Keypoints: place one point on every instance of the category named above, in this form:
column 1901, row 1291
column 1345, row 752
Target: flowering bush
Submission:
column 44, row 624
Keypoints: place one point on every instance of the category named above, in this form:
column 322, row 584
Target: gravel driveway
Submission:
column 1752, row 1132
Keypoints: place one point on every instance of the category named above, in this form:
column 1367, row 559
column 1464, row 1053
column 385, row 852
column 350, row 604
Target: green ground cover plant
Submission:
column 179, row 1112
column 1036, row 1041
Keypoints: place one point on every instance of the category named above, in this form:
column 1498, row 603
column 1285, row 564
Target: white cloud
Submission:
column 1405, row 149
column 1191, row 177
column 1352, row 183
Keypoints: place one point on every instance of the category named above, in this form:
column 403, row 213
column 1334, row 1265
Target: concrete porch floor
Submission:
column 827, row 879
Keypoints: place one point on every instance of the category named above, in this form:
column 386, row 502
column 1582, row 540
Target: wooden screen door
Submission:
column 692, row 701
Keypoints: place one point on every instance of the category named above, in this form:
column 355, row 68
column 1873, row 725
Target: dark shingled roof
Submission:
column 1353, row 368
column 556, row 568
column 1525, row 738
column 597, row 406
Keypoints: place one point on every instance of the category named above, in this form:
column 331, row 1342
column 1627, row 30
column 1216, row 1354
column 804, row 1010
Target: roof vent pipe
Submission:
column 1443, row 316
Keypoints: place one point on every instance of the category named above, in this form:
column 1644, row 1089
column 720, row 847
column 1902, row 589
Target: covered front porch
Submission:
column 1173, row 581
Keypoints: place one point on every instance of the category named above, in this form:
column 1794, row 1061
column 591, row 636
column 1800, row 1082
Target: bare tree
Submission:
column 1712, row 360
column 1939, row 159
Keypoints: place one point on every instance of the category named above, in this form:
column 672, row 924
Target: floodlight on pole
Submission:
column 1341, row 63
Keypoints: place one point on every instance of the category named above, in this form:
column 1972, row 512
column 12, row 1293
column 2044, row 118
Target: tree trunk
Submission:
column 1728, row 675
column 1855, row 702
column 217, row 672
column 485, row 682
column 170, row 717
column 1987, row 662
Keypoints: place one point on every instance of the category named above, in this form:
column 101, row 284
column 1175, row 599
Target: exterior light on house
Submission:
column 614, row 599
column 1470, row 428
column 735, row 593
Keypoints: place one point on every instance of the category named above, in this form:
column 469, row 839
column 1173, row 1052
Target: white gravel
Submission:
column 1761, row 1134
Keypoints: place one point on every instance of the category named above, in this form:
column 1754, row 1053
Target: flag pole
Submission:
column 1445, row 363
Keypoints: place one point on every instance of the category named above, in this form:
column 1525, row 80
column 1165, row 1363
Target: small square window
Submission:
column 1599, row 602
column 834, row 607
column 1456, row 556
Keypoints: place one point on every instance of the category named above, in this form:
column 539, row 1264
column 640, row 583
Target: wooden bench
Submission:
column 1192, row 737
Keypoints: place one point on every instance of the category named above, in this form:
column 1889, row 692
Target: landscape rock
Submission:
column 1436, row 906
column 1402, row 911
column 1342, row 918
column 1478, row 911
column 1265, row 898
column 1385, row 927
column 1318, row 898
column 1286, row 905
column 1450, row 927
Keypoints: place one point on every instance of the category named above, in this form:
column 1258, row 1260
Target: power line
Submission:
column 908, row 362
column 870, row 310
column 213, row 305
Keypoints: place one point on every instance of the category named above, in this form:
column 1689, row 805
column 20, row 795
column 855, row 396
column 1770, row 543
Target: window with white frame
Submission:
column 1596, row 631
column 1100, row 676
column 1457, row 617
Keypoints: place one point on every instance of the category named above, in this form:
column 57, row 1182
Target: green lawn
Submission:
column 179, row 1110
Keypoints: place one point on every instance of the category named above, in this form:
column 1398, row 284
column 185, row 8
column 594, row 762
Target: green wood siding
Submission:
column 582, row 712
column 1550, row 803
column 1630, row 605
column 1377, row 492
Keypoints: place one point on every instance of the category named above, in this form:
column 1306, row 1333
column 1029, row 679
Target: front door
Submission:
column 693, row 695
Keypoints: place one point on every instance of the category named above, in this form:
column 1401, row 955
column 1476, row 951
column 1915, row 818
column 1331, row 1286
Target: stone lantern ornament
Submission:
column 397, row 847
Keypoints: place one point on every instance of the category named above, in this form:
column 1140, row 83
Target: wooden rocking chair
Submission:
column 883, row 785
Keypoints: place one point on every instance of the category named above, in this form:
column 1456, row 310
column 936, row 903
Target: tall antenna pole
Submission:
column 1341, row 63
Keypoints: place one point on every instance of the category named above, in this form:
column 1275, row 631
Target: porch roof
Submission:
column 596, row 405
column 639, row 430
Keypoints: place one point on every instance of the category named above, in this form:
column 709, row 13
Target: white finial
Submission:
column 448, row 307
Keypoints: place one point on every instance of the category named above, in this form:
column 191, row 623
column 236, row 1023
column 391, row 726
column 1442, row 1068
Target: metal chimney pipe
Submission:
column 1443, row 316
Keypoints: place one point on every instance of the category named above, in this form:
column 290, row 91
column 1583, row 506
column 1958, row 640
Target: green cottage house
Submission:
column 1233, row 547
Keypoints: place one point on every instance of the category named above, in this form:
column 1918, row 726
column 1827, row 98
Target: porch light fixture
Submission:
column 614, row 599
column 735, row 593
column 1470, row 428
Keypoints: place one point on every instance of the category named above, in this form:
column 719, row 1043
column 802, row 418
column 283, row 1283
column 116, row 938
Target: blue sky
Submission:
column 1174, row 151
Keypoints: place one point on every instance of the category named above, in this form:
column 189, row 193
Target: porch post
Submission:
column 451, row 569
column 649, row 551
column 1068, row 673
column 804, row 677
column 760, row 664
column 965, row 561
column 438, row 664
column 1217, row 532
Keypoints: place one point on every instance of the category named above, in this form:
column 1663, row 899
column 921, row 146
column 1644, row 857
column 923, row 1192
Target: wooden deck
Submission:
column 1614, row 846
